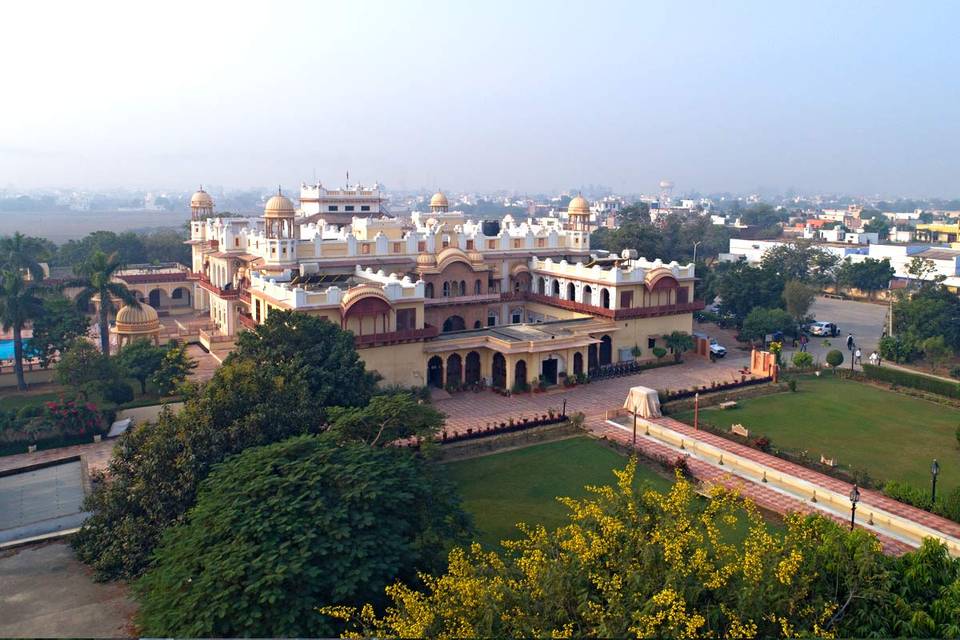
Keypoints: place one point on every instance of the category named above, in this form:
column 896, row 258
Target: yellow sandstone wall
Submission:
column 402, row 364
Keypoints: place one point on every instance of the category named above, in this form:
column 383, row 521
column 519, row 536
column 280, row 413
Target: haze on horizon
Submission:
column 854, row 97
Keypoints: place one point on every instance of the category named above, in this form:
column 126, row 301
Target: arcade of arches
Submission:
column 507, row 370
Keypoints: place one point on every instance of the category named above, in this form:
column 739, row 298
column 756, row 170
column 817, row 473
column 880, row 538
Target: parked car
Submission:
column 827, row 329
column 716, row 349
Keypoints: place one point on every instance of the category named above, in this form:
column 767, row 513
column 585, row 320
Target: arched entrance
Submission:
column 180, row 297
column 587, row 295
column 571, row 291
column 606, row 350
column 473, row 368
column 454, row 323
column 541, row 286
column 155, row 298
column 499, row 371
column 520, row 374
column 454, row 370
column 549, row 373
column 556, row 288
column 435, row 372
column 577, row 363
column 605, row 298
column 593, row 360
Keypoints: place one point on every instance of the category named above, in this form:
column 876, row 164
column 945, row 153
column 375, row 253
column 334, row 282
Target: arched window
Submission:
column 556, row 288
column 587, row 294
column 428, row 290
column 477, row 288
column 571, row 291
column 605, row 298
column 446, row 289
column 541, row 286
column 463, row 287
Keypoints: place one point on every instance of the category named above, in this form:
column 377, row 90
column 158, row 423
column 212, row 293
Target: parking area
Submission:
column 45, row 592
column 863, row 319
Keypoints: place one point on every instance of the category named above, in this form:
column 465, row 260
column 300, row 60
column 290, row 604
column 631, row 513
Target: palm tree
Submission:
column 95, row 278
column 678, row 342
column 19, row 303
column 20, row 253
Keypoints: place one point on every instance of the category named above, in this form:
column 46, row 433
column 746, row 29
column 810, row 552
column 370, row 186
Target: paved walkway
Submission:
column 470, row 410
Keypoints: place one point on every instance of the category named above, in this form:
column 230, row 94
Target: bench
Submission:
column 730, row 404
column 830, row 462
column 740, row 430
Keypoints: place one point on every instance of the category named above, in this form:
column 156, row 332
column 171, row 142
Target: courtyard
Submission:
column 889, row 435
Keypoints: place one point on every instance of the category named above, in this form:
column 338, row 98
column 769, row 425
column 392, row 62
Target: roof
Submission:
column 940, row 254
column 525, row 333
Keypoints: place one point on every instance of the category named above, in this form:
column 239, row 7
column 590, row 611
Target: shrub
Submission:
column 802, row 359
column 908, row 494
column 792, row 385
column 117, row 392
column 835, row 358
column 913, row 380
column 659, row 352
column 955, row 372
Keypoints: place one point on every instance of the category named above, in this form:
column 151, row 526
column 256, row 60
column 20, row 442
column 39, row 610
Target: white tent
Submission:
column 644, row 402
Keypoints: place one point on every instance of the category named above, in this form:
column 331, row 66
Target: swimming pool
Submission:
column 6, row 349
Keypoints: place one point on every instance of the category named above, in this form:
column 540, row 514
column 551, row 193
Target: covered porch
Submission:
column 516, row 356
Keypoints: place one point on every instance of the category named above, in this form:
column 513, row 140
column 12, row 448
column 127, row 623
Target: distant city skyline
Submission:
column 857, row 98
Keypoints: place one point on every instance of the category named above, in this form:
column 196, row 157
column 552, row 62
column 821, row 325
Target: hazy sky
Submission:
column 859, row 97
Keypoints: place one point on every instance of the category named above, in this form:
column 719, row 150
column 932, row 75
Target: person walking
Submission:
column 857, row 359
column 803, row 343
column 874, row 358
column 850, row 342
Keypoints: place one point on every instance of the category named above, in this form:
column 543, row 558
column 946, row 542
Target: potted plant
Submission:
column 636, row 352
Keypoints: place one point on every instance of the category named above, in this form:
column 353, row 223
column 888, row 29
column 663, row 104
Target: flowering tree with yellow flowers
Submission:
column 635, row 562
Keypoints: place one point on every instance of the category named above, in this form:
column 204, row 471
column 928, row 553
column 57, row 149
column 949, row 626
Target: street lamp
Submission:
column 695, row 245
column 934, row 472
column 696, row 410
column 854, row 499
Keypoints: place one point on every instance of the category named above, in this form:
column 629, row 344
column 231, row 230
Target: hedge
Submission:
column 913, row 380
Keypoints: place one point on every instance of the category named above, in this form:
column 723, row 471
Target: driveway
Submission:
column 863, row 319
column 45, row 592
column 41, row 501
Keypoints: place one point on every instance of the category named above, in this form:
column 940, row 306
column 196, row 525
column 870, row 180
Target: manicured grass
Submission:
column 19, row 400
column 889, row 435
column 503, row 489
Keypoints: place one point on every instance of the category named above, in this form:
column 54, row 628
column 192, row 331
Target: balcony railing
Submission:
column 616, row 314
column 394, row 337
column 225, row 294
column 482, row 297
column 247, row 321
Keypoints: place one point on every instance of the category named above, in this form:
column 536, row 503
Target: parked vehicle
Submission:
column 826, row 329
column 717, row 349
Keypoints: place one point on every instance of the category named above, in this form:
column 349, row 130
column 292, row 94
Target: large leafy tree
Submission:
column 798, row 298
column 760, row 322
column 334, row 372
column 869, row 275
column 932, row 311
column 800, row 260
column 742, row 287
column 262, row 394
column 85, row 368
column 60, row 323
column 280, row 528
column 20, row 303
column 140, row 360
column 174, row 368
column 642, row 564
column 156, row 469
column 385, row 419
column 679, row 342
column 95, row 277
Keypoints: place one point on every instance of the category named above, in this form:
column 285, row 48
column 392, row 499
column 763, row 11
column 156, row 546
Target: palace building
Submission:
column 436, row 298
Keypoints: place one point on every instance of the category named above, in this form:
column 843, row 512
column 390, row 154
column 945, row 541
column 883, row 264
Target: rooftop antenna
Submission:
column 348, row 177
column 279, row 191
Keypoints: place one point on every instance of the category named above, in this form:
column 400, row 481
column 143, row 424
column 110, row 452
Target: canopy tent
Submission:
column 644, row 402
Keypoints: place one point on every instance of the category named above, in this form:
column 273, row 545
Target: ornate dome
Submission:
column 201, row 200
column 142, row 319
column 279, row 206
column 578, row 206
column 439, row 200
column 426, row 260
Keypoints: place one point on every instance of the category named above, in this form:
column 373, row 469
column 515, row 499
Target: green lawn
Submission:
column 17, row 401
column 887, row 434
column 522, row 485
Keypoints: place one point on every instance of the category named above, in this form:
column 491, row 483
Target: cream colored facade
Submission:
column 439, row 299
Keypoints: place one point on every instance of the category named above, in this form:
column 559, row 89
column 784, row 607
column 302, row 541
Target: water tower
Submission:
column 666, row 192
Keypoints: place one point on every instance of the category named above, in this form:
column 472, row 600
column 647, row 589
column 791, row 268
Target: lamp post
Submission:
column 934, row 472
column 695, row 245
column 854, row 499
column 634, row 426
column 696, row 411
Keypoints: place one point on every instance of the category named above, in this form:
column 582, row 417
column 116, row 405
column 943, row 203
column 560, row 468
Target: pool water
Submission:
column 6, row 349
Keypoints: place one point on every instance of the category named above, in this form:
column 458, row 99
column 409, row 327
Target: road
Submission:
column 863, row 319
